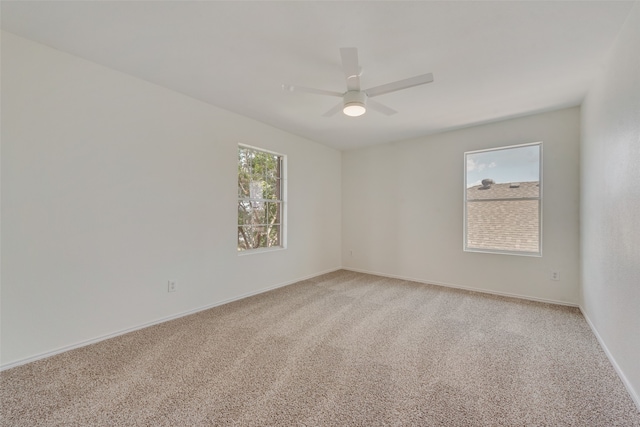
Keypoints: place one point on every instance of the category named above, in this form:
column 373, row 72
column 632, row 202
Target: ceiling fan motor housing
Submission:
column 354, row 102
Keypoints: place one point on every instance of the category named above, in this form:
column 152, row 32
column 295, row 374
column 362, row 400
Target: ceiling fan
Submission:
column 355, row 100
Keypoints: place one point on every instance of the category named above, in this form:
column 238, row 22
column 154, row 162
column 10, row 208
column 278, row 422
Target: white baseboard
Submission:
column 465, row 288
column 632, row 392
column 154, row 322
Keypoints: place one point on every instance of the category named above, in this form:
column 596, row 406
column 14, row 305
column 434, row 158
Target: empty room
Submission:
column 320, row 213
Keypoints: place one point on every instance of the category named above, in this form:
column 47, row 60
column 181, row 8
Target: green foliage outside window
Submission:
column 259, row 199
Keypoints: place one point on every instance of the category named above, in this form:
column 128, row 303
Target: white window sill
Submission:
column 500, row 252
column 260, row 250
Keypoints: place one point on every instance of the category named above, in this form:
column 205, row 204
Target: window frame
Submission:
column 282, row 201
column 465, row 246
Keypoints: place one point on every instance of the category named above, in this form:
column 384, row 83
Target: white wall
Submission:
column 403, row 210
column 610, row 204
column 111, row 186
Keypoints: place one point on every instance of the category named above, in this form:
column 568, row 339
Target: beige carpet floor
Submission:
column 342, row 349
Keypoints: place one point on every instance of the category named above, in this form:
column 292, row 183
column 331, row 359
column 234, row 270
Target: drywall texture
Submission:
column 112, row 186
column 610, row 203
column 403, row 209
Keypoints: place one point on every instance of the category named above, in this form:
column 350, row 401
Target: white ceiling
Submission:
column 490, row 60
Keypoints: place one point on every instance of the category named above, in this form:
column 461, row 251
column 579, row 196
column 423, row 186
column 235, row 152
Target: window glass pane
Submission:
column 272, row 188
column 259, row 180
column 508, row 190
column 252, row 237
column 503, row 199
column 260, row 237
column 273, row 213
column 244, row 238
column 244, row 173
column 506, row 225
column 255, row 189
column 503, row 173
column 244, row 213
column 274, row 235
column 252, row 212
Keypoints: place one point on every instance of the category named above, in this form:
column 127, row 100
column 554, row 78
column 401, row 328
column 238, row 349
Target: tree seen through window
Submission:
column 260, row 181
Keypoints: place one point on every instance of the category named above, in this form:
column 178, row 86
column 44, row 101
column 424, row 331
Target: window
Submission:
column 503, row 200
column 261, row 193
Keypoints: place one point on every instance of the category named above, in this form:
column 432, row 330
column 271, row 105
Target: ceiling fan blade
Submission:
column 350, row 67
column 292, row 88
column 399, row 85
column 333, row 110
column 381, row 108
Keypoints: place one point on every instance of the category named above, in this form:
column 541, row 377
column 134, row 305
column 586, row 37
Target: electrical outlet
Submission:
column 555, row 275
column 171, row 286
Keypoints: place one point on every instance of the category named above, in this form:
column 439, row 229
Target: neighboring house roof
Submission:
column 515, row 190
column 500, row 217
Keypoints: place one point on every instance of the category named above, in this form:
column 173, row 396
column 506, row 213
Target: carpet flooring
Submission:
column 341, row 349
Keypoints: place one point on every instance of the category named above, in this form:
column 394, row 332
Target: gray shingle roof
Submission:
column 509, row 225
column 504, row 191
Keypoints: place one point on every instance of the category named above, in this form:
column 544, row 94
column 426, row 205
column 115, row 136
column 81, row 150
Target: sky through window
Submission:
column 516, row 164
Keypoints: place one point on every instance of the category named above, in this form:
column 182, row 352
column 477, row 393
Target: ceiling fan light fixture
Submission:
column 354, row 109
column 354, row 103
column 355, row 100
